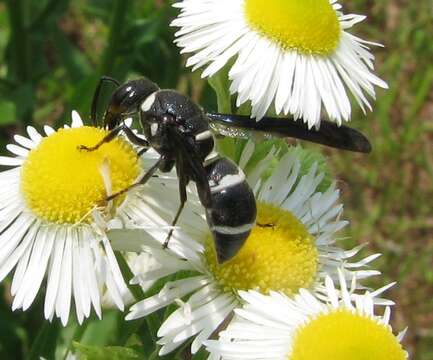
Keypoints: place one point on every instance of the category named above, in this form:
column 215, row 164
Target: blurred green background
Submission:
column 52, row 53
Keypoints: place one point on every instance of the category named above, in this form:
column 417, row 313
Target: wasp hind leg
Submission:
column 173, row 224
column 183, row 197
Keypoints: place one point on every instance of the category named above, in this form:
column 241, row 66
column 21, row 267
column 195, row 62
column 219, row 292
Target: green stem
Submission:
column 127, row 274
column 154, row 355
column 45, row 342
column 120, row 10
column 152, row 320
column 19, row 39
column 20, row 45
column 6, row 83
column 77, row 335
column 45, row 13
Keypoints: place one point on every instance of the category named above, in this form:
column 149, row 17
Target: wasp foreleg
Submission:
column 113, row 134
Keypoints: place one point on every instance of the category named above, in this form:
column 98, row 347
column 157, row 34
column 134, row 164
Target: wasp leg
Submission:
column 142, row 151
column 112, row 135
column 183, row 181
column 173, row 224
column 142, row 181
column 96, row 94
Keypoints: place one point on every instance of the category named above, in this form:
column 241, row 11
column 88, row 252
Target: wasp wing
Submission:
column 329, row 134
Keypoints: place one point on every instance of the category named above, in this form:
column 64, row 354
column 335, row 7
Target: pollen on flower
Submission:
column 343, row 334
column 308, row 26
column 279, row 255
column 62, row 184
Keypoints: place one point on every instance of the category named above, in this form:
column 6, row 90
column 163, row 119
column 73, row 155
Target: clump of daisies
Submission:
column 63, row 229
column 285, row 294
column 292, row 247
column 285, row 56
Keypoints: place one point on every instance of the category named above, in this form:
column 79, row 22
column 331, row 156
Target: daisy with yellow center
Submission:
column 294, row 55
column 291, row 247
column 339, row 326
column 54, row 217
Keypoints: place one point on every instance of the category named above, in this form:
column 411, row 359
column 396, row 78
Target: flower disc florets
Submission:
column 308, row 26
column 280, row 254
column 62, row 184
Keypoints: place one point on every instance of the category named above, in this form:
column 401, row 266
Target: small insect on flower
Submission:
column 180, row 132
column 340, row 325
column 295, row 56
column 53, row 218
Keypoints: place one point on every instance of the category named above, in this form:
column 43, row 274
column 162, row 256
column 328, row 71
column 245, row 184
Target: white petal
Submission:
column 17, row 150
column 76, row 120
column 33, row 134
column 9, row 161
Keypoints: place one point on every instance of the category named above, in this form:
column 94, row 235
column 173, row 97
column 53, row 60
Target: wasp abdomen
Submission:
column 233, row 212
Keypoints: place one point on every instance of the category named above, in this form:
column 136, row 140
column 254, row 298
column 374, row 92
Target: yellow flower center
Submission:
column 62, row 184
column 308, row 26
column 342, row 335
column 279, row 254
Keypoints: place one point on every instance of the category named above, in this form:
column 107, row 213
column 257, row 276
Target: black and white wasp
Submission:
column 181, row 132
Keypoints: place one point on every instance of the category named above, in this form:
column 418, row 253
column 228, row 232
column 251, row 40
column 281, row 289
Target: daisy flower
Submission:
column 296, row 55
column 341, row 326
column 292, row 247
column 54, row 218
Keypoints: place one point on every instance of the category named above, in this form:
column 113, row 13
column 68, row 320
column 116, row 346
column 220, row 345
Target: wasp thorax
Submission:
column 279, row 255
column 62, row 184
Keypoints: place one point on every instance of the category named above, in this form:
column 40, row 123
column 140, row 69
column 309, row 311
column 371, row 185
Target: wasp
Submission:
column 183, row 135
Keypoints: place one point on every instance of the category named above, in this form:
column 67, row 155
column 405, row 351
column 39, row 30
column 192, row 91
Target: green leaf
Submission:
column 102, row 332
column 114, row 41
column 227, row 147
column 202, row 354
column 81, row 96
column 74, row 61
column 141, row 343
column 221, row 85
column 8, row 114
column 23, row 97
column 86, row 352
